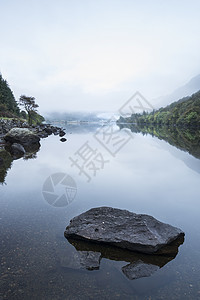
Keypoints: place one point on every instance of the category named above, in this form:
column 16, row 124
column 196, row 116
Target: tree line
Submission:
column 182, row 113
column 8, row 105
column 10, row 108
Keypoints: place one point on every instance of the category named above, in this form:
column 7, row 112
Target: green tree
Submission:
column 29, row 105
column 8, row 104
column 182, row 113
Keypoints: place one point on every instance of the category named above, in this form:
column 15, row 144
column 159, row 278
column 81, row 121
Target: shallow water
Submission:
column 146, row 175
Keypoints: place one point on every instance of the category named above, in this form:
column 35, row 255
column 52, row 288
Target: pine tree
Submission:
column 8, row 104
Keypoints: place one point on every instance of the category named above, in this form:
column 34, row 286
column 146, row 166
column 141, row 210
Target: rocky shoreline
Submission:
column 18, row 138
column 42, row 130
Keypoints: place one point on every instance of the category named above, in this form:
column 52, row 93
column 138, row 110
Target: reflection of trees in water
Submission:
column 31, row 151
column 30, row 156
column 186, row 139
column 6, row 159
column 5, row 164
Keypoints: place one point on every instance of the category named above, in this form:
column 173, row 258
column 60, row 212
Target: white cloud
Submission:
column 98, row 51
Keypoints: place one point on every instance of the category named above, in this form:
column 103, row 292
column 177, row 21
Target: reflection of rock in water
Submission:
column 90, row 260
column 29, row 150
column 139, row 265
column 7, row 155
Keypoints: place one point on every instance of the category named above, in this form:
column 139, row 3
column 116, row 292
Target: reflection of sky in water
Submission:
column 146, row 176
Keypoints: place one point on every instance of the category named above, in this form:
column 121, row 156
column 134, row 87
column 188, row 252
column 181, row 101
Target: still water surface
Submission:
column 147, row 175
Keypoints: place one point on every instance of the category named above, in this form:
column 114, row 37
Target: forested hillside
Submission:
column 8, row 105
column 185, row 112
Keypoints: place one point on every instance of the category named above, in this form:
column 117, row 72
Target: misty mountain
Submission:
column 80, row 116
column 188, row 89
column 72, row 116
column 182, row 113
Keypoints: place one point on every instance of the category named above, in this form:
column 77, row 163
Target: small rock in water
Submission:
column 63, row 140
column 124, row 229
column 61, row 133
column 49, row 131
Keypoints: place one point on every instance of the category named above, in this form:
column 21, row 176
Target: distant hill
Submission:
column 185, row 112
column 188, row 89
column 77, row 116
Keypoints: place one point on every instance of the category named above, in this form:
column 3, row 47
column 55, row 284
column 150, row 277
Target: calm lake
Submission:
column 139, row 173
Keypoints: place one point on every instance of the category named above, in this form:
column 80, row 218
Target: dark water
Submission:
column 146, row 175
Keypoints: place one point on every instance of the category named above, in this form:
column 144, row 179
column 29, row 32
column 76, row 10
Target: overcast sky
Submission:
column 94, row 54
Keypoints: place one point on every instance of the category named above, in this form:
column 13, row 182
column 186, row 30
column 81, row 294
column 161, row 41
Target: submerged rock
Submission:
column 90, row 260
column 124, row 229
column 139, row 269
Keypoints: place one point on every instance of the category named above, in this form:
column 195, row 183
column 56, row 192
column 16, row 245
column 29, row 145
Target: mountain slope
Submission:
column 185, row 112
column 188, row 89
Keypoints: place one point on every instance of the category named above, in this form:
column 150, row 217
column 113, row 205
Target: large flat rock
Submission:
column 124, row 229
column 22, row 136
